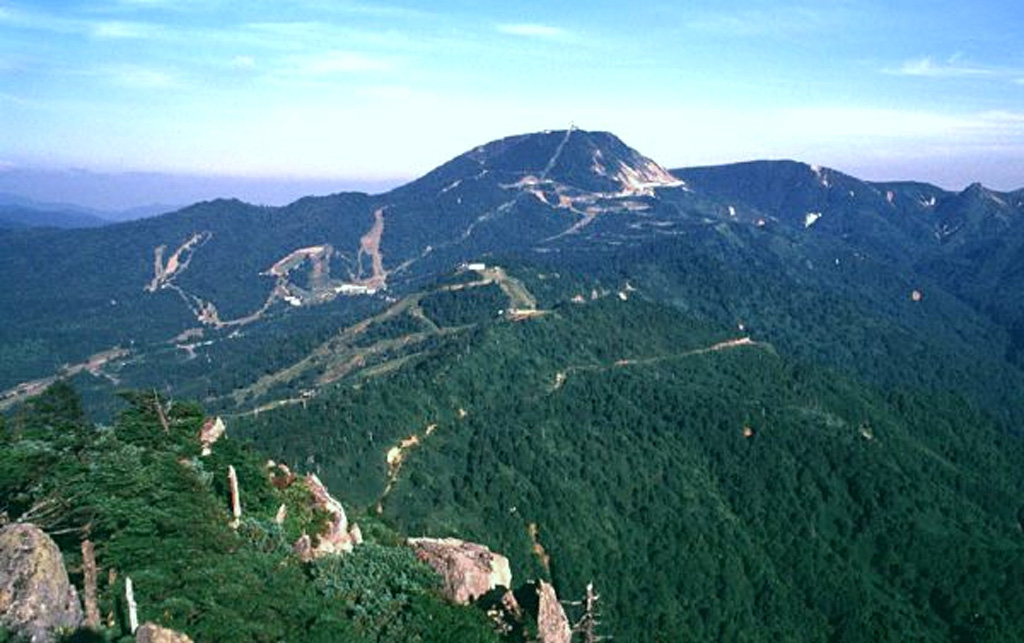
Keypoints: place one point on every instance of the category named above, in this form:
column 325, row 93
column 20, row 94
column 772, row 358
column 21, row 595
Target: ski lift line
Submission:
column 558, row 152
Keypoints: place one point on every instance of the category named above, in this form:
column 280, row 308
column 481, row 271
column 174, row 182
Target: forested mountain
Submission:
column 711, row 488
column 758, row 401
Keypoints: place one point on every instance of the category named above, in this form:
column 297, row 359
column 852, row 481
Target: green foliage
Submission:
column 377, row 587
column 391, row 596
column 849, row 514
column 466, row 306
column 158, row 513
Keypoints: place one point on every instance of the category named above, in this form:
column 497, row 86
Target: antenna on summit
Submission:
column 572, row 126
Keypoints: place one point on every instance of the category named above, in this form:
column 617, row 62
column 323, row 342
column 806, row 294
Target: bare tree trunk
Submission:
column 133, row 609
column 160, row 413
column 587, row 626
column 92, row 610
column 236, row 503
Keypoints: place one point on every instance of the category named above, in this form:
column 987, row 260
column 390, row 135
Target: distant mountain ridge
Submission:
column 16, row 216
column 563, row 197
column 20, row 212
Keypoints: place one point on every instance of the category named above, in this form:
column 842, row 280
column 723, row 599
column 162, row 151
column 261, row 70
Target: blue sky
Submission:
column 364, row 90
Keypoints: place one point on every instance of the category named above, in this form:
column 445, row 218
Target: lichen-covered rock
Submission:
column 552, row 623
column 37, row 601
column 468, row 570
column 153, row 633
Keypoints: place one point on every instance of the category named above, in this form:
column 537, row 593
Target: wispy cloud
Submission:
column 953, row 67
column 56, row 23
column 778, row 21
column 123, row 30
column 339, row 62
column 316, row 35
column 140, row 77
column 532, row 30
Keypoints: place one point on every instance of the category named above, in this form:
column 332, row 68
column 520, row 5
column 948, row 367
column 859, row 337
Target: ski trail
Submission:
column 507, row 205
column 369, row 245
column 554, row 157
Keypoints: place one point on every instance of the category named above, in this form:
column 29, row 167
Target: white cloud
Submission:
column 339, row 62
column 532, row 30
column 122, row 30
column 927, row 67
column 139, row 77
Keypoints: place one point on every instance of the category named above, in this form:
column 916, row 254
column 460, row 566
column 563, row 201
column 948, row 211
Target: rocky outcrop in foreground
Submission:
column 37, row 602
column 468, row 570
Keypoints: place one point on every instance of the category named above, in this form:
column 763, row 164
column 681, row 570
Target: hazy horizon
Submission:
column 115, row 192
column 270, row 94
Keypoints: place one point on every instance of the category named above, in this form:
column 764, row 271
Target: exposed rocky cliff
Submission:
column 552, row 623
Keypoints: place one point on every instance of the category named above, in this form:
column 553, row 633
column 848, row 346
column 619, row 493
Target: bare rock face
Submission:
column 153, row 633
column 211, row 431
column 336, row 538
column 469, row 570
column 37, row 601
column 552, row 623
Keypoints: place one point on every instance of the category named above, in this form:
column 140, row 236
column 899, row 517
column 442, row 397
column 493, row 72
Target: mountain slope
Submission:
column 968, row 243
column 156, row 510
column 760, row 401
column 709, row 487
column 223, row 282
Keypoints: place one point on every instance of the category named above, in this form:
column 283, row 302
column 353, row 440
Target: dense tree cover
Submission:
column 824, row 304
column 460, row 307
column 69, row 294
column 728, row 494
column 157, row 512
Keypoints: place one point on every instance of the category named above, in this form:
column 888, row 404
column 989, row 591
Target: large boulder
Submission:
column 153, row 633
column 469, row 570
column 37, row 601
